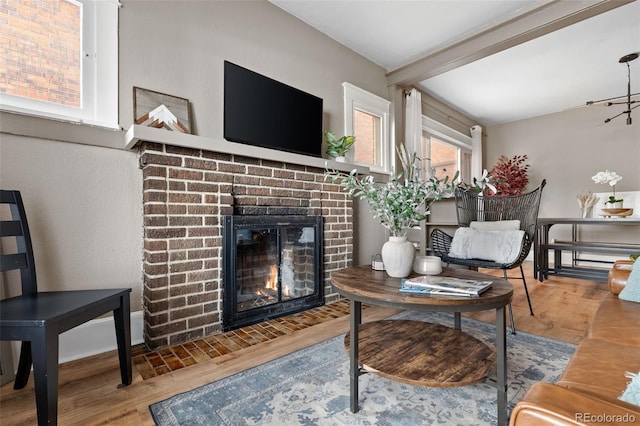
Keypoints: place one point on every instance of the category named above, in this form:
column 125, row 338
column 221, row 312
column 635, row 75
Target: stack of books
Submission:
column 444, row 286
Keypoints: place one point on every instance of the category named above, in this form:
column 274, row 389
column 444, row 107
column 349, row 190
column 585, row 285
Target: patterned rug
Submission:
column 311, row 387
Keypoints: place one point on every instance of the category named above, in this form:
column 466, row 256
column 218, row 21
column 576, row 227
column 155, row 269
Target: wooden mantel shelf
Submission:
column 137, row 133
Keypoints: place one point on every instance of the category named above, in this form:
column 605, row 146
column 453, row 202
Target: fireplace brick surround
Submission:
column 186, row 193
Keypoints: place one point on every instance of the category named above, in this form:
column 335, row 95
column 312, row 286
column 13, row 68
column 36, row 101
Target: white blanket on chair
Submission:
column 496, row 246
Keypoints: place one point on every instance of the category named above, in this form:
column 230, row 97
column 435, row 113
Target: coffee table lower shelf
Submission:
column 423, row 354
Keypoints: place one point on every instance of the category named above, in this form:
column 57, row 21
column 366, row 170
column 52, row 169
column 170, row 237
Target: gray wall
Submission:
column 84, row 194
column 566, row 149
column 84, row 206
column 179, row 48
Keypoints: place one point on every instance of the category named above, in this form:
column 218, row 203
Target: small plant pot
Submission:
column 340, row 159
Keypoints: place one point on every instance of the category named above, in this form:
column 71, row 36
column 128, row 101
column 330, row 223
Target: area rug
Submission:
column 311, row 387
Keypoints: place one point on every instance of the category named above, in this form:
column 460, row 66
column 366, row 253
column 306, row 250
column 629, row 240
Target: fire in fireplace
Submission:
column 272, row 267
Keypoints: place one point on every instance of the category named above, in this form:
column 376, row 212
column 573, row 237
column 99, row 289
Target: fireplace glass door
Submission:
column 272, row 267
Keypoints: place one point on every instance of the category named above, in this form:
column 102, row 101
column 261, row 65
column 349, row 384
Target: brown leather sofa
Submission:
column 588, row 390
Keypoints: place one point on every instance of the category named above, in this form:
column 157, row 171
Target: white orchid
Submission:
column 483, row 183
column 611, row 178
column 607, row 177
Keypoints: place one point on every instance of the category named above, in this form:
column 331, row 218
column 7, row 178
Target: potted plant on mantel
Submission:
column 338, row 148
column 399, row 205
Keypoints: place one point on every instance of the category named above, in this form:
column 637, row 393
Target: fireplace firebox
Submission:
column 271, row 267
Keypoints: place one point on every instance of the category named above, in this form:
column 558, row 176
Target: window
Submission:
column 447, row 151
column 367, row 118
column 59, row 60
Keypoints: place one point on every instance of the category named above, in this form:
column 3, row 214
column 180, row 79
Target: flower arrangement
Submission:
column 338, row 147
column 479, row 185
column 402, row 202
column 611, row 178
column 510, row 175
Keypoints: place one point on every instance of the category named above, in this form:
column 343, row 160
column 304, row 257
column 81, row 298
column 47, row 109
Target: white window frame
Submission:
column 357, row 98
column 99, row 72
column 446, row 134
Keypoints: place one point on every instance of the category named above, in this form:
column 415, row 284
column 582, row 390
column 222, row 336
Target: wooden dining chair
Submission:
column 38, row 318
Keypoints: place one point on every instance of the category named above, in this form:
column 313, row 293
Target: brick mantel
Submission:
column 187, row 192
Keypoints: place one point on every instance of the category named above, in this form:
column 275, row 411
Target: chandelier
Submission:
column 628, row 102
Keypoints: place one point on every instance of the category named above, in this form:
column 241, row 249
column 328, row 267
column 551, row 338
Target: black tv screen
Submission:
column 264, row 112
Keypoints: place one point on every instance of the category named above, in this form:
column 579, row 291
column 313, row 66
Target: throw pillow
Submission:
column 632, row 393
column 631, row 291
column 495, row 246
column 497, row 225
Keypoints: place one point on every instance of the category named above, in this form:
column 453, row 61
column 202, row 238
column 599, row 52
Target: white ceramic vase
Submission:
column 397, row 256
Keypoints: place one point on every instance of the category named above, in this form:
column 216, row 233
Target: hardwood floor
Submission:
column 88, row 393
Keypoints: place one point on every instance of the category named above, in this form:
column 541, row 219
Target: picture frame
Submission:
column 159, row 110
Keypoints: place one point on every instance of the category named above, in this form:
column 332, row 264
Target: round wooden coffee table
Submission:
column 407, row 350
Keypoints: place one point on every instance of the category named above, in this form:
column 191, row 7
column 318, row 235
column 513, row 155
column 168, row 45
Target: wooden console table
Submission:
column 542, row 246
column 387, row 348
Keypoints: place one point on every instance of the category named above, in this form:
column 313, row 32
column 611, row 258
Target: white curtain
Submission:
column 413, row 123
column 476, row 149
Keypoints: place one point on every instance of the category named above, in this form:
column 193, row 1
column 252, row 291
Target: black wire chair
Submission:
column 472, row 207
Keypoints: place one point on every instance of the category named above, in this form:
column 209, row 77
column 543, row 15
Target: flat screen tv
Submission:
column 264, row 112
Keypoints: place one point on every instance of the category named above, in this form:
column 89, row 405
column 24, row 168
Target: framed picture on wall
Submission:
column 162, row 111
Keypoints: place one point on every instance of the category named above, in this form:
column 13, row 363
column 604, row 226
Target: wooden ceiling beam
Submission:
column 533, row 23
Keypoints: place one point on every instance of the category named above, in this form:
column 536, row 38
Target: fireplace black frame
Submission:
column 231, row 317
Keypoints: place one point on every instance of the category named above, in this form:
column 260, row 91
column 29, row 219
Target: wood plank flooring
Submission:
column 88, row 393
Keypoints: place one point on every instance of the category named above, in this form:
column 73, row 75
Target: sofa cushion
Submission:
column 632, row 393
column 549, row 404
column 617, row 321
column 631, row 290
column 599, row 366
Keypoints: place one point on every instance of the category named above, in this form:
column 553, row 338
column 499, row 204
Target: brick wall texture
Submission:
column 40, row 50
column 186, row 194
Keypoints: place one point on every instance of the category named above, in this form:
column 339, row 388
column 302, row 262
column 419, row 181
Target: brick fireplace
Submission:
column 187, row 193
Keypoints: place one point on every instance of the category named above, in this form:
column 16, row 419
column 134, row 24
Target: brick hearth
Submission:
column 186, row 194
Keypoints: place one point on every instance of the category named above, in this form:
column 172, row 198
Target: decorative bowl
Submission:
column 621, row 212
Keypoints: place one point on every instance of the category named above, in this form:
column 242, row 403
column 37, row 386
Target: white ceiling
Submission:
column 551, row 73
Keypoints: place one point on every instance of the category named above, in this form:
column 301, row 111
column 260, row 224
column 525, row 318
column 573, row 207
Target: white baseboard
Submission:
column 96, row 337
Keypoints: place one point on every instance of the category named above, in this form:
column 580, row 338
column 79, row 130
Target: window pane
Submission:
column 41, row 51
column 444, row 158
column 367, row 130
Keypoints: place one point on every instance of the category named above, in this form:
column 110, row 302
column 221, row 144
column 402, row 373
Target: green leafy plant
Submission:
column 338, row 147
column 402, row 202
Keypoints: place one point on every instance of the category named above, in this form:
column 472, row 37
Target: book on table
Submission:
column 444, row 286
